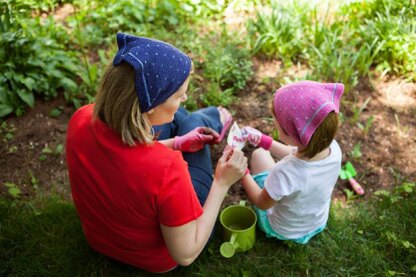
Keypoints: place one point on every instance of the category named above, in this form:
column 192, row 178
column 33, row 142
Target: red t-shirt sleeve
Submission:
column 178, row 203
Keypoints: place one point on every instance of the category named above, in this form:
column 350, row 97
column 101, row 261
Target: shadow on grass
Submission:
column 44, row 238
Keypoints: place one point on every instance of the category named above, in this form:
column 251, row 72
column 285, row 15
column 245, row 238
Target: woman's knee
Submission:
column 190, row 122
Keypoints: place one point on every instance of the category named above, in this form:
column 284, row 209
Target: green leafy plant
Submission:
column 223, row 69
column 227, row 63
column 36, row 64
column 403, row 130
column 91, row 67
column 42, row 158
column 7, row 130
column 357, row 110
column 33, row 180
column 356, row 152
column 277, row 31
column 55, row 112
column 398, row 193
column 334, row 60
column 366, row 128
column 392, row 23
column 12, row 149
column 12, row 189
column 100, row 20
column 47, row 150
column 59, row 149
column 350, row 195
column 215, row 96
column 275, row 134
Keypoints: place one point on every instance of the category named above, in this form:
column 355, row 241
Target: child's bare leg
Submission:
column 261, row 160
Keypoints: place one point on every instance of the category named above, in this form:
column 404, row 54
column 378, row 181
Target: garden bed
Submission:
column 33, row 157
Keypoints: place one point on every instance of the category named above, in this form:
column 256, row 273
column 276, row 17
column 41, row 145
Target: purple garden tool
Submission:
column 347, row 173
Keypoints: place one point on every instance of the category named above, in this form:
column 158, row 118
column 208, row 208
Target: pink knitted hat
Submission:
column 302, row 106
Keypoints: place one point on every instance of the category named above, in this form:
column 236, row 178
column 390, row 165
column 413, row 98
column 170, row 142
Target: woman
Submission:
column 141, row 201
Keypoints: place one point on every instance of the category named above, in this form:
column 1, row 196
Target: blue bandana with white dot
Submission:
column 160, row 69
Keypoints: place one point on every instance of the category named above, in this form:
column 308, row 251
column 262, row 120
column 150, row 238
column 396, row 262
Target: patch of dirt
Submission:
column 62, row 12
column 23, row 160
column 388, row 149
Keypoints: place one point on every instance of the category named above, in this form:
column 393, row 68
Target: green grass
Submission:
column 43, row 237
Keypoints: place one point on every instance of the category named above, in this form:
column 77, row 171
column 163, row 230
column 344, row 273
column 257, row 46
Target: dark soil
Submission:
column 388, row 150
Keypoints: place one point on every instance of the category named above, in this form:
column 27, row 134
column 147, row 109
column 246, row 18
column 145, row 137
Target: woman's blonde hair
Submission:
column 323, row 135
column 117, row 105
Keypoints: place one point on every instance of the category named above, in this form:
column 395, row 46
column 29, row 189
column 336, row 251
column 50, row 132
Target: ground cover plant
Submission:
column 52, row 56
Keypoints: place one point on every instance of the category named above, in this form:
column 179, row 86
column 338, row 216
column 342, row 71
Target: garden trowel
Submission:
column 347, row 173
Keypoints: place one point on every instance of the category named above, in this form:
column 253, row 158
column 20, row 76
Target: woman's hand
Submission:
column 195, row 140
column 231, row 167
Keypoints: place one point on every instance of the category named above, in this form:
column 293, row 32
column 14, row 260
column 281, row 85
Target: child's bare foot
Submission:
column 226, row 120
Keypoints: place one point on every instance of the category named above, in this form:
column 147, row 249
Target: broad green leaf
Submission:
column 9, row 136
column 382, row 192
column 408, row 244
column 26, row 96
column 28, row 82
column 42, row 158
column 46, row 150
column 93, row 71
column 14, row 191
column 55, row 112
column 68, row 84
column 9, row 185
column 5, row 110
column 59, row 149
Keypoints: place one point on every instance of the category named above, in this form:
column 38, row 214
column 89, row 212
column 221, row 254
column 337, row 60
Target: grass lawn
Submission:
column 241, row 50
column 375, row 238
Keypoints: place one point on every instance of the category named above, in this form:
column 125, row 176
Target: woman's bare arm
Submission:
column 186, row 242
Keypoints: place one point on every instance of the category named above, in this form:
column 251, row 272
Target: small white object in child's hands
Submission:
column 235, row 137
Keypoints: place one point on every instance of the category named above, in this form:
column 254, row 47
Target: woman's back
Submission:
column 123, row 193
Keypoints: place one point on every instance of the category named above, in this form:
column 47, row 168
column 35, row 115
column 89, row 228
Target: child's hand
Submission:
column 256, row 138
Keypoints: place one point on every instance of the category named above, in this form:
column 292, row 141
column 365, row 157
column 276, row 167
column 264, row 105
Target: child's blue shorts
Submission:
column 264, row 223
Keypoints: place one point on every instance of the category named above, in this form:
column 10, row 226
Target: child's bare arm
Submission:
column 280, row 150
column 256, row 195
column 257, row 138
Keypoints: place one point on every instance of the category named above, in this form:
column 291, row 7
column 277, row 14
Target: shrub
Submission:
column 33, row 61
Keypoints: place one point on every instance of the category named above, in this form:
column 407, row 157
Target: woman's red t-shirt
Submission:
column 122, row 194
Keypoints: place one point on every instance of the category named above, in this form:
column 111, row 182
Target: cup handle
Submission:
column 233, row 242
column 228, row 248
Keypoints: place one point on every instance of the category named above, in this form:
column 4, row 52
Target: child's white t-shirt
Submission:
column 303, row 193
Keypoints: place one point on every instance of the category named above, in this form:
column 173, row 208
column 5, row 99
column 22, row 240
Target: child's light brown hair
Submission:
column 323, row 135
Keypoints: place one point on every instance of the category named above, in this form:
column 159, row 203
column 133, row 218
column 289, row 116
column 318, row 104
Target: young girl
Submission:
column 293, row 196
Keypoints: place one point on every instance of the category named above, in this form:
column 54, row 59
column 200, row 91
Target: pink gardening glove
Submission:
column 256, row 138
column 195, row 139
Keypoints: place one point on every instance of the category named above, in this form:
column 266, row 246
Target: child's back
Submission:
column 304, row 191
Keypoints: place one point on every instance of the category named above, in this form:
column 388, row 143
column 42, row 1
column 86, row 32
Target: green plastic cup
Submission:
column 239, row 229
